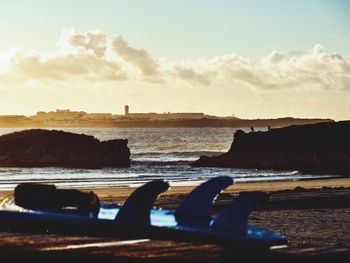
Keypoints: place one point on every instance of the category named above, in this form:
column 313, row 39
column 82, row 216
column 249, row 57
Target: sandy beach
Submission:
column 313, row 214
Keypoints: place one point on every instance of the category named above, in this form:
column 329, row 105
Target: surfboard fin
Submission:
column 136, row 209
column 195, row 210
column 234, row 217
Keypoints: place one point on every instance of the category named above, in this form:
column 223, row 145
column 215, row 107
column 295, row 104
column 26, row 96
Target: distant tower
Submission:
column 126, row 107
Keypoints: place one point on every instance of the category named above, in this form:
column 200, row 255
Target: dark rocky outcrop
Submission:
column 52, row 148
column 322, row 148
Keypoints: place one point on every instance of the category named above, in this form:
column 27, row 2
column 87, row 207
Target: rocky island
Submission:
column 322, row 148
column 53, row 148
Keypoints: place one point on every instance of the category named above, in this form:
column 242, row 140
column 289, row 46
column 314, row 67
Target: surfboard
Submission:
column 136, row 218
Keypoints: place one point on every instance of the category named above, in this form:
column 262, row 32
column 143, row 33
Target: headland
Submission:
column 81, row 119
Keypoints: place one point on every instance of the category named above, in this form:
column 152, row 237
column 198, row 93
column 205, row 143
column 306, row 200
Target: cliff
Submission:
column 52, row 148
column 322, row 148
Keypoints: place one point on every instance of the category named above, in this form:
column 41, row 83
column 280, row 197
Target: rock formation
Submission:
column 53, row 148
column 322, row 148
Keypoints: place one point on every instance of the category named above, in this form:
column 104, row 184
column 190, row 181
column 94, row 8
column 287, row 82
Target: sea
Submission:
column 156, row 153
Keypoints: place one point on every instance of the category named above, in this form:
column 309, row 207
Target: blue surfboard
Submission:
column 191, row 221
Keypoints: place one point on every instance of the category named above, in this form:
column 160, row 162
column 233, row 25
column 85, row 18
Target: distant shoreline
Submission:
column 188, row 123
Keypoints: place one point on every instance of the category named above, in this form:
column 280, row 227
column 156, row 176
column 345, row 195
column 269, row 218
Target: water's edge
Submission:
column 156, row 153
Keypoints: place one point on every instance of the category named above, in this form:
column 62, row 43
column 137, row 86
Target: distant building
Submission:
column 98, row 116
column 58, row 115
column 163, row 116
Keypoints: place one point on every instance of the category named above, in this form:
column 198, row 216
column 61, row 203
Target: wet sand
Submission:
column 313, row 214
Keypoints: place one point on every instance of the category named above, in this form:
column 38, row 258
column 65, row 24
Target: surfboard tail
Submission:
column 234, row 217
column 196, row 208
column 136, row 209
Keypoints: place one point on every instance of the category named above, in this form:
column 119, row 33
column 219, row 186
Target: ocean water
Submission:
column 155, row 153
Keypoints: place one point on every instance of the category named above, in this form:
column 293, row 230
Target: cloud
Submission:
column 95, row 41
column 140, row 58
column 64, row 66
column 93, row 56
column 78, row 55
column 314, row 70
column 191, row 75
column 194, row 72
column 275, row 57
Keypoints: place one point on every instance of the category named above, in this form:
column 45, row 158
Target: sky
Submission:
column 253, row 59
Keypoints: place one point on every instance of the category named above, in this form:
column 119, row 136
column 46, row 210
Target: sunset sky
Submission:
column 254, row 59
